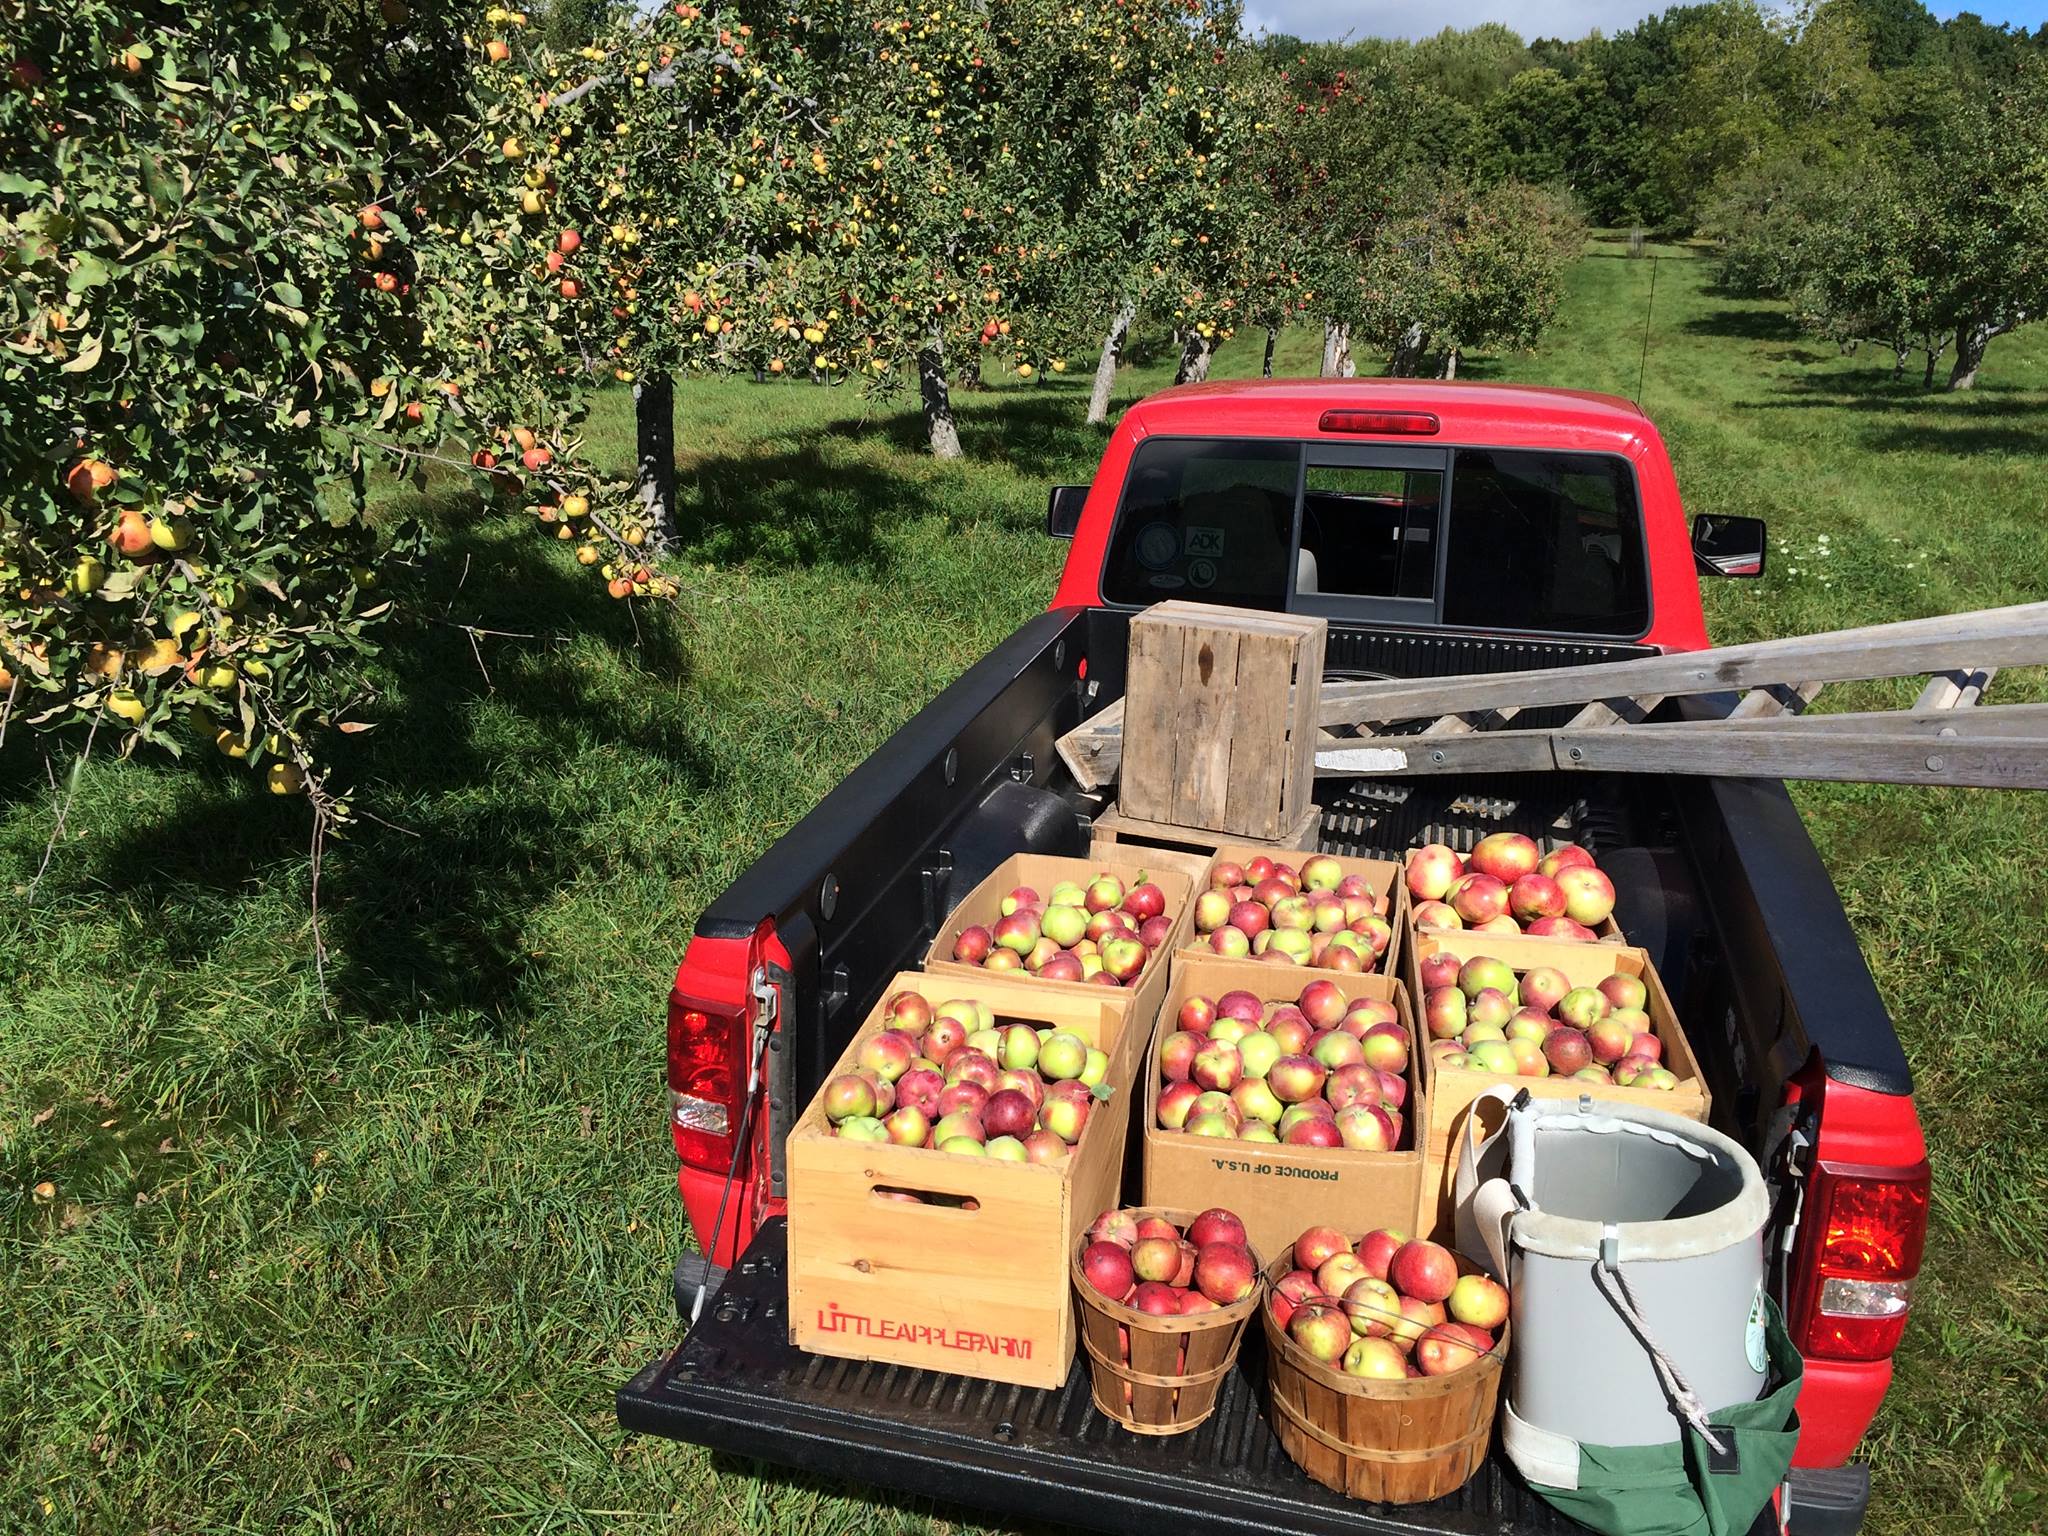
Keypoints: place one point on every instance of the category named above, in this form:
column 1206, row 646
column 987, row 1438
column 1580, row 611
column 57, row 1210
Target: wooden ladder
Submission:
column 1945, row 737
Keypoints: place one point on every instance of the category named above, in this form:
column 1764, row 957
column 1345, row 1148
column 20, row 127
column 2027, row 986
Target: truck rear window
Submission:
column 1532, row 540
column 1205, row 519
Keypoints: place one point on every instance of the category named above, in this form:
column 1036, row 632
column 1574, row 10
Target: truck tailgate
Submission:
column 736, row 1384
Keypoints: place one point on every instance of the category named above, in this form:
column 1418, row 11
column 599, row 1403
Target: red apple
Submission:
column 1535, row 896
column 1431, row 871
column 1225, row 1273
column 1317, row 1246
column 1479, row 1301
column 1437, row 915
column 1157, row 1298
column 1506, row 856
column 973, row 945
column 1176, row 1100
column 1564, row 857
column 1108, row 1268
column 1423, row 1269
column 1241, row 1005
column 1377, row 1248
column 1320, row 1330
column 1476, row 898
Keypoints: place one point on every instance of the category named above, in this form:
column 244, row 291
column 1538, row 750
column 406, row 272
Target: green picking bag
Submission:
column 1679, row 1488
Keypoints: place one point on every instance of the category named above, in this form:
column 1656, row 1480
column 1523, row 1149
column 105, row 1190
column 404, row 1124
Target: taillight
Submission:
column 1386, row 423
column 707, row 1076
column 1865, row 1231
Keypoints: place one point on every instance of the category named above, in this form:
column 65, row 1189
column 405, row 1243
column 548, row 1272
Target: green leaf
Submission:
column 88, row 355
column 87, row 272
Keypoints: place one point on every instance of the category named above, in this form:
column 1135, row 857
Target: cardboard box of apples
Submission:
column 1069, row 923
column 951, row 1249
column 1509, row 885
column 1533, row 1011
column 1281, row 1093
column 1304, row 908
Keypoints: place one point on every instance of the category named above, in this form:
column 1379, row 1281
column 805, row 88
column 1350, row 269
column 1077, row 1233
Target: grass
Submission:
column 382, row 1270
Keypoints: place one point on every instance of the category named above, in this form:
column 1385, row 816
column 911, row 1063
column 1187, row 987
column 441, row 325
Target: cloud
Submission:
column 1325, row 20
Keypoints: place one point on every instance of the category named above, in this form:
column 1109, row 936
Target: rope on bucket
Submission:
column 1615, row 1287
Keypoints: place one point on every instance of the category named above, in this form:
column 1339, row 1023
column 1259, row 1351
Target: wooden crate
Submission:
column 1042, row 872
column 1383, row 875
column 1608, row 932
column 980, row 1291
column 1220, row 724
column 1450, row 1095
column 1141, row 838
column 1280, row 1191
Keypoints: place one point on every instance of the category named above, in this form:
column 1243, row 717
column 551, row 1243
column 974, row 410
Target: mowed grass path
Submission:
column 381, row 1270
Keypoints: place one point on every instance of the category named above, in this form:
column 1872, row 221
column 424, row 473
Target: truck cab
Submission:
column 1440, row 529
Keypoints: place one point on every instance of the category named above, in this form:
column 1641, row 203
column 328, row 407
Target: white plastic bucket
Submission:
column 1630, row 1241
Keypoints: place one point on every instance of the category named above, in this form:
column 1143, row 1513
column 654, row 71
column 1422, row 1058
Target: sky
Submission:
column 1318, row 20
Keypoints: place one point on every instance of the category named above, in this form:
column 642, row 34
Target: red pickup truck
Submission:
column 1441, row 529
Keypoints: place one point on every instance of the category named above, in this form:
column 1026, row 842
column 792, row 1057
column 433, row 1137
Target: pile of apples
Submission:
column 1315, row 916
column 1148, row 1263
column 1481, row 1017
column 1321, row 1071
column 949, row 1078
column 1393, row 1307
column 1099, row 932
column 1509, row 885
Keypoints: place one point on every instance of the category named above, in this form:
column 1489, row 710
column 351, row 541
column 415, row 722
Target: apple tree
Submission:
column 235, row 290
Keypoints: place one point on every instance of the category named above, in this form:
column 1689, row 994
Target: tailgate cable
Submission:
column 767, row 1009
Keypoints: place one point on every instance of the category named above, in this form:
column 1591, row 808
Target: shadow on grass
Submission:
column 430, row 913
column 1753, row 323
column 822, row 500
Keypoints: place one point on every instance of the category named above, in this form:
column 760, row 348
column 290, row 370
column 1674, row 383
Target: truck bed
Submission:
column 737, row 1385
column 1722, row 887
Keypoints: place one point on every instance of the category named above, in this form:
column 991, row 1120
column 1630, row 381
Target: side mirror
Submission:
column 1063, row 510
column 1729, row 546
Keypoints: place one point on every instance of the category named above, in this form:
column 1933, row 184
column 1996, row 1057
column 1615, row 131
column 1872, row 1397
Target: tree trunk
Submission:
column 1448, row 369
column 654, row 479
column 1105, row 370
column 1971, row 340
column 1899, row 351
column 1272, row 336
column 1195, row 353
column 1336, row 350
column 938, row 400
column 1409, row 351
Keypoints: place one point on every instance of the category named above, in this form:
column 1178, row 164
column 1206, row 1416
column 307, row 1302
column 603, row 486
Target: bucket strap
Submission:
column 1484, row 1212
column 1615, row 1287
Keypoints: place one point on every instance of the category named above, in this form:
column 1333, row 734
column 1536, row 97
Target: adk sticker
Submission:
column 1205, row 541
column 1753, row 1332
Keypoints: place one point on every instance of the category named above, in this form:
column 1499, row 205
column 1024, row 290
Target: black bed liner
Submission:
column 738, row 1385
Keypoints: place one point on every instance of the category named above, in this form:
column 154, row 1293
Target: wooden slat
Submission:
column 1775, row 699
column 1961, row 689
column 1153, row 696
column 1094, row 750
column 1993, row 637
column 1300, row 787
column 1200, row 788
column 1257, row 737
column 1991, row 747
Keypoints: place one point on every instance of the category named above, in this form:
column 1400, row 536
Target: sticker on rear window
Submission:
column 1158, row 545
column 1205, row 541
column 1202, row 573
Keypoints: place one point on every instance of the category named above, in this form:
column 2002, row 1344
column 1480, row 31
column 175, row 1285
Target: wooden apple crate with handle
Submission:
column 1383, row 876
column 1450, row 1095
column 1280, row 1191
column 973, row 1279
column 1219, row 719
